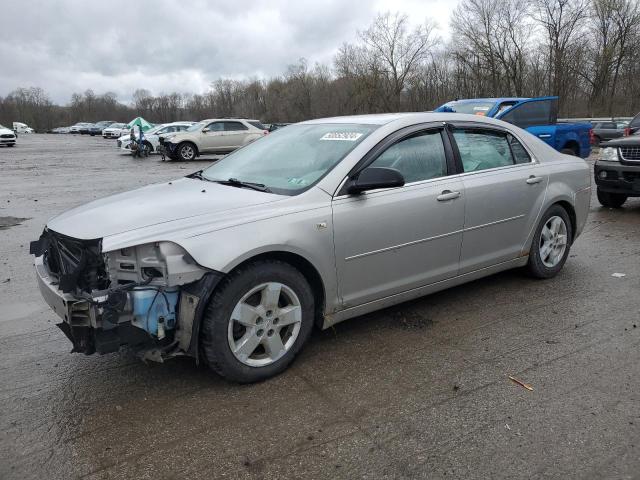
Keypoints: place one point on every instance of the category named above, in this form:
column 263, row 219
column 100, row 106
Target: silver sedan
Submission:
column 309, row 226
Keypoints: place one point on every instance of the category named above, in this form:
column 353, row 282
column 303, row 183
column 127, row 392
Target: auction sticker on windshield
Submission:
column 344, row 136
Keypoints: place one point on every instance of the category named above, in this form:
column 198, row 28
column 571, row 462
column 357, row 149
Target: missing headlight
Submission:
column 151, row 272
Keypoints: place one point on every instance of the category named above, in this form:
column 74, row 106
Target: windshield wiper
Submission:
column 198, row 175
column 234, row 182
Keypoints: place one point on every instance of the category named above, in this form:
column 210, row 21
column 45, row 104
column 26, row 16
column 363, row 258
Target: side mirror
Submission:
column 375, row 177
column 205, row 130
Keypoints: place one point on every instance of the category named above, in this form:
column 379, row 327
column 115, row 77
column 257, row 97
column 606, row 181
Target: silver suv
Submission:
column 215, row 135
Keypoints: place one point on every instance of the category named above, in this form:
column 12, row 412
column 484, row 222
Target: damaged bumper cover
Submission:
column 150, row 298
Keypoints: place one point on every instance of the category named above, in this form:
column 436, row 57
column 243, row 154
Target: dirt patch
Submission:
column 8, row 222
column 410, row 320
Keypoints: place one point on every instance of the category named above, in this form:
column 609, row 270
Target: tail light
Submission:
column 592, row 138
column 627, row 132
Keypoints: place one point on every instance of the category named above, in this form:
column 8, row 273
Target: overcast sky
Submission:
column 68, row 46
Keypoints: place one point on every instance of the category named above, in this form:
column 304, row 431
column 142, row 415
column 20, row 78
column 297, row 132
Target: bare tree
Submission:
column 398, row 51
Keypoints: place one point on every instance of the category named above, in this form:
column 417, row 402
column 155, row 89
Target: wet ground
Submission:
column 415, row 391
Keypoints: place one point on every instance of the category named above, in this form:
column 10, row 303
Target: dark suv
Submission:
column 617, row 171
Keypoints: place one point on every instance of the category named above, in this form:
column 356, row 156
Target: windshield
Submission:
column 475, row 108
column 292, row 159
column 155, row 129
column 197, row 126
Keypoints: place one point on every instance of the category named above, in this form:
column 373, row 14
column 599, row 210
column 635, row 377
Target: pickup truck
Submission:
column 539, row 116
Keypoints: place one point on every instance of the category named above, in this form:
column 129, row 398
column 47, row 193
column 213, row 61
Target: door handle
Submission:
column 532, row 180
column 447, row 195
column 544, row 135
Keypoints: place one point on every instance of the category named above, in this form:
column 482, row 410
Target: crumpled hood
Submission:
column 160, row 211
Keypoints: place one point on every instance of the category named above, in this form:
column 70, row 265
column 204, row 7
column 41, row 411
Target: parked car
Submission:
column 316, row 223
column 78, row 127
column 215, row 135
column 634, row 126
column 97, row 128
column 152, row 137
column 114, row 130
column 7, row 136
column 604, row 131
column 19, row 127
column 85, row 128
column 617, row 171
column 539, row 116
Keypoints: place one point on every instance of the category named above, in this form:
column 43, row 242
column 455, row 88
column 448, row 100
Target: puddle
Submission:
column 8, row 222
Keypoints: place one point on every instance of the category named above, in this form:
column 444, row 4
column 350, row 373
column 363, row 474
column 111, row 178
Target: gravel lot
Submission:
column 415, row 391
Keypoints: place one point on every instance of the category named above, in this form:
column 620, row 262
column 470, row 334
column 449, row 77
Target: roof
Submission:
column 408, row 118
column 493, row 100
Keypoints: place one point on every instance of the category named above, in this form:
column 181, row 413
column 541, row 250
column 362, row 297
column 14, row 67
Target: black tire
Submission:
column 611, row 200
column 183, row 149
column 536, row 266
column 214, row 343
column 149, row 147
column 569, row 151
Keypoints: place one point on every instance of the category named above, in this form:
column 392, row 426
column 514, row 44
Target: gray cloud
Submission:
column 165, row 45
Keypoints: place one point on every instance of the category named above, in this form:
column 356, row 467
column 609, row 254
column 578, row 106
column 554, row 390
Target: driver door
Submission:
column 212, row 137
column 391, row 240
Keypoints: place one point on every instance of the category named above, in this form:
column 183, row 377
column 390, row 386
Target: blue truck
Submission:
column 539, row 116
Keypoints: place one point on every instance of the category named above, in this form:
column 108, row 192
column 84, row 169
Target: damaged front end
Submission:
column 149, row 298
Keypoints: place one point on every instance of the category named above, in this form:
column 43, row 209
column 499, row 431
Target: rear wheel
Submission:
column 257, row 321
column 611, row 200
column 186, row 151
column 551, row 243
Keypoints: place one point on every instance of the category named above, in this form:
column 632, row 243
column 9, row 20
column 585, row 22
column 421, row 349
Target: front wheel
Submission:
column 551, row 243
column 611, row 200
column 186, row 152
column 257, row 321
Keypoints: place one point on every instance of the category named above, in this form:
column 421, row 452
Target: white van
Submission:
column 22, row 128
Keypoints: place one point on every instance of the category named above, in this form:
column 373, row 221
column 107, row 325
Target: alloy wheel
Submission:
column 264, row 324
column 187, row 152
column 553, row 241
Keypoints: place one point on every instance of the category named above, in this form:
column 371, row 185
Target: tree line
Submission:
column 585, row 51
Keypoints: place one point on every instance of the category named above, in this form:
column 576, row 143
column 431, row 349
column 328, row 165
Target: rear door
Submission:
column 504, row 190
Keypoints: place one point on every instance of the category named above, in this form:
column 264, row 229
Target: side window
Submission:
column 541, row 112
column 234, row 126
column 520, row 154
column 418, row 157
column 482, row 149
column 215, row 126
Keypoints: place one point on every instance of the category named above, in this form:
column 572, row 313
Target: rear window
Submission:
column 635, row 122
column 258, row 125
